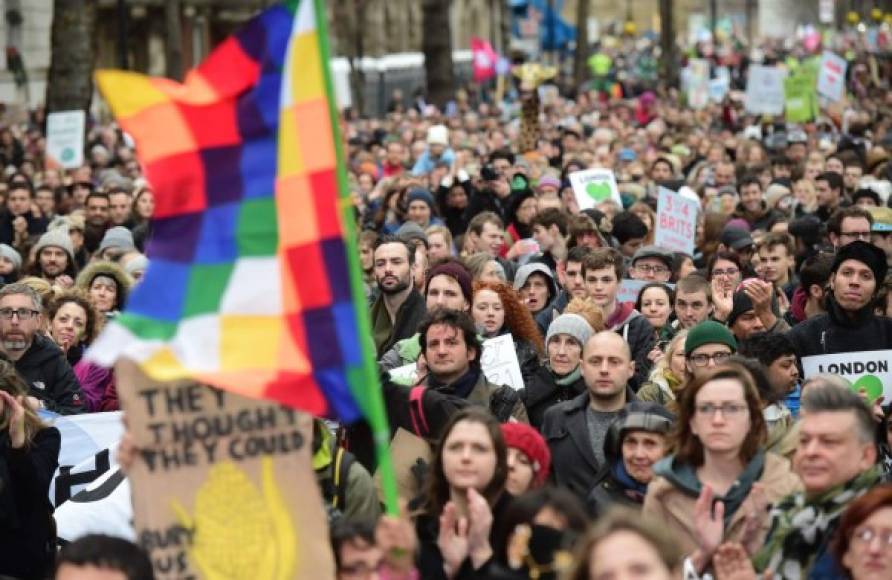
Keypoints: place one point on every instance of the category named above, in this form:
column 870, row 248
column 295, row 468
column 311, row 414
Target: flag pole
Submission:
column 373, row 408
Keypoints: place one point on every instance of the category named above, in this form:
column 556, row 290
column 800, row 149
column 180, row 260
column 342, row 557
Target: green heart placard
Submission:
column 871, row 384
column 599, row 191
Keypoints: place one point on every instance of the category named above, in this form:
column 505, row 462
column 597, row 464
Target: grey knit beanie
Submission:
column 117, row 237
column 571, row 324
column 58, row 238
column 9, row 252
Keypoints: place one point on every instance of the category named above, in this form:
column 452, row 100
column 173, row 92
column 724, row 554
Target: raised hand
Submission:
column 16, row 406
column 452, row 539
column 731, row 562
column 709, row 524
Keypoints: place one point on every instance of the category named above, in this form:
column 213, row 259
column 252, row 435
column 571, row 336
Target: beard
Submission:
column 15, row 344
column 394, row 288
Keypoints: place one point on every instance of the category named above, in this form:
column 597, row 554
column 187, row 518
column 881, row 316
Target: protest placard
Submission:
column 800, row 99
column 65, row 139
column 868, row 370
column 223, row 486
column 498, row 361
column 698, row 83
column 592, row 186
column 832, row 76
column 765, row 90
column 676, row 227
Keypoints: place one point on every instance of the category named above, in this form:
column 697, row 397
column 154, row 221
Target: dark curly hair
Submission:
column 94, row 321
column 517, row 316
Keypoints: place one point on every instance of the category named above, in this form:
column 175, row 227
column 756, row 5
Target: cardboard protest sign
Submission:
column 868, row 370
column 223, row 486
column 832, row 76
column 800, row 98
column 676, row 227
column 765, row 90
column 65, row 139
column 499, row 362
column 592, row 186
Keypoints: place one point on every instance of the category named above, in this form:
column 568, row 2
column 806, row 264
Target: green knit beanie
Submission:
column 709, row 332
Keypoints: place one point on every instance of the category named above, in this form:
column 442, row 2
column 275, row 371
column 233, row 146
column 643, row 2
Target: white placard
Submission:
column 65, row 138
column 765, row 90
column 593, row 186
column 698, row 83
column 676, row 227
column 864, row 369
column 832, row 76
column 498, row 361
column 826, row 11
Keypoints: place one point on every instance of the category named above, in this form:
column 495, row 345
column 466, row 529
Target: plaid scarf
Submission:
column 801, row 527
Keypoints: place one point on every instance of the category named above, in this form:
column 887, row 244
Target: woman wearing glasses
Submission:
column 719, row 483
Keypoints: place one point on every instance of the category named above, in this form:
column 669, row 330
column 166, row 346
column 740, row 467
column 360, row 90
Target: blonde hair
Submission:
column 586, row 308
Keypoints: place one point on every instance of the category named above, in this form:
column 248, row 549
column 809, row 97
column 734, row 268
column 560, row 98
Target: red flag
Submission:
column 485, row 59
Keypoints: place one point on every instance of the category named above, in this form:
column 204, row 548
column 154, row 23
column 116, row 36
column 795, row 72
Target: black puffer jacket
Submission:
column 49, row 377
column 834, row 332
column 542, row 392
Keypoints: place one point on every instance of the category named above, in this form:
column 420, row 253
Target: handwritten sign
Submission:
column 593, row 186
column 698, row 83
column 65, row 139
column 765, row 90
column 868, row 370
column 223, row 486
column 676, row 227
column 499, row 362
column 832, row 76
column 800, row 100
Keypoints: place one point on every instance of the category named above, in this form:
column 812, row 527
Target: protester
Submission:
column 862, row 541
column 719, row 478
column 466, row 495
column 29, row 456
column 398, row 310
column 624, row 546
column 560, row 378
column 497, row 310
column 529, row 460
column 635, row 442
column 669, row 375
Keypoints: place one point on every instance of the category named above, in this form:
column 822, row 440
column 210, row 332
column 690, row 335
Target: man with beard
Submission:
column 42, row 364
column 54, row 258
column 98, row 220
column 399, row 309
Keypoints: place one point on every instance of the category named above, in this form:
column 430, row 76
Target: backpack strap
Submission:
column 343, row 460
column 416, row 411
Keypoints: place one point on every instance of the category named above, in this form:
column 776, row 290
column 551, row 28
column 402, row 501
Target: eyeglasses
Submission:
column 701, row 360
column 647, row 269
column 727, row 409
column 856, row 235
column 22, row 313
column 866, row 536
column 728, row 272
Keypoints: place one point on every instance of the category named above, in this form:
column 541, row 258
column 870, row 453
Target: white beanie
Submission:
column 12, row 254
column 58, row 238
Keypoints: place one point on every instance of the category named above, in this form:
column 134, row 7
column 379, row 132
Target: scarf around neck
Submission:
column 801, row 526
column 567, row 379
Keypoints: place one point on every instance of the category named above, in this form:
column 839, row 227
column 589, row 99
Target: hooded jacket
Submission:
column 113, row 271
column 639, row 334
column 757, row 220
column 49, row 377
column 671, row 496
column 834, row 332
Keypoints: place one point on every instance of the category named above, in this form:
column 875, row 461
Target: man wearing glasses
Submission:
column 708, row 345
column 652, row 264
column 51, row 382
column 849, row 225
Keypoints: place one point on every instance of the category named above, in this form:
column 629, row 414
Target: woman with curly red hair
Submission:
column 497, row 310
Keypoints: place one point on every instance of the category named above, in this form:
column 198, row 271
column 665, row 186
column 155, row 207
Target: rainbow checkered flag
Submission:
column 254, row 284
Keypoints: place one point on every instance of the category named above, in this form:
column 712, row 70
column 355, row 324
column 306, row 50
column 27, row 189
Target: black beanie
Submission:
column 866, row 253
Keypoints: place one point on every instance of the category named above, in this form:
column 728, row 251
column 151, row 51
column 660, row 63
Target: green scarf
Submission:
column 800, row 526
column 567, row 379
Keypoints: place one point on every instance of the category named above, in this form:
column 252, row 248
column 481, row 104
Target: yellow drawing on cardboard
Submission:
column 241, row 533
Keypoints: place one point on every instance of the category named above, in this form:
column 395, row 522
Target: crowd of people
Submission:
column 674, row 434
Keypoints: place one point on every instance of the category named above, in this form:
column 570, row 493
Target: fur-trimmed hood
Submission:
column 110, row 269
